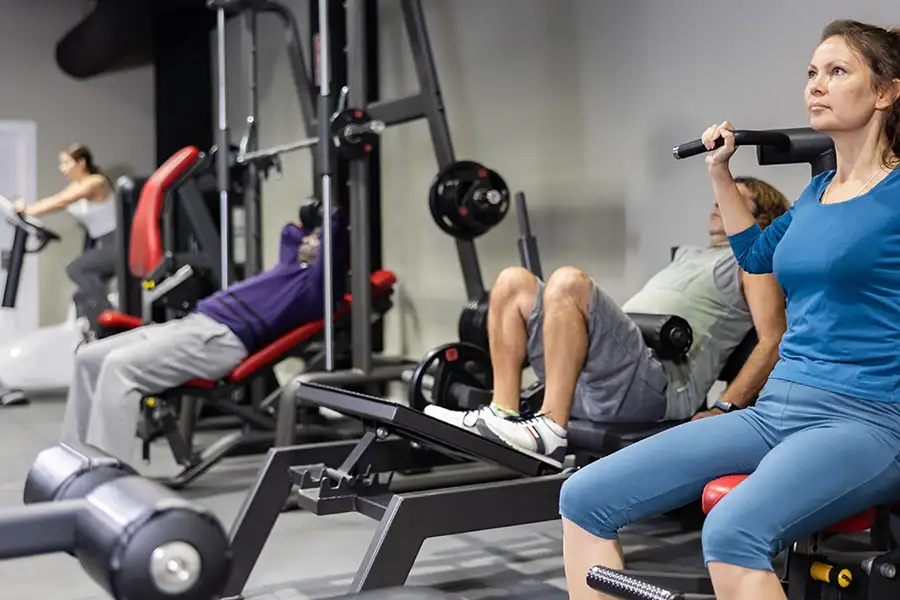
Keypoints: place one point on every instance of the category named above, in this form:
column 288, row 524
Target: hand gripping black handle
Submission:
column 742, row 137
column 619, row 585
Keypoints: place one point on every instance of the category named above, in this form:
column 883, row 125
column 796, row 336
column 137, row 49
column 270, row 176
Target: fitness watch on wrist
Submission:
column 725, row 407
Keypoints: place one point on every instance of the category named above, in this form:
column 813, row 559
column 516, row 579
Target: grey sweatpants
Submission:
column 114, row 374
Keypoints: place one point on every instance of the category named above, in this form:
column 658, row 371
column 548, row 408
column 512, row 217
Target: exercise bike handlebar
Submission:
column 30, row 225
column 742, row 137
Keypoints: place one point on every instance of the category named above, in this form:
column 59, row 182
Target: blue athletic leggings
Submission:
column 815, row 456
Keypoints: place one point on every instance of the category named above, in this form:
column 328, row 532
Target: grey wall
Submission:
column 113, row 115
column 578, row 103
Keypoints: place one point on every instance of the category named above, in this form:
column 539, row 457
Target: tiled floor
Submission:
column 313, row 557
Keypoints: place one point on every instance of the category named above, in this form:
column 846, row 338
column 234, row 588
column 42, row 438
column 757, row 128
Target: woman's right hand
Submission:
column 720, row 156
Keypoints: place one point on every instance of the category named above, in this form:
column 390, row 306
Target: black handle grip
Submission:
column 619, row 585
column 742, row 137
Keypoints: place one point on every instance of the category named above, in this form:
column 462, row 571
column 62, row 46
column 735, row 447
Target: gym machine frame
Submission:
column 350, row 476
column 366, row 369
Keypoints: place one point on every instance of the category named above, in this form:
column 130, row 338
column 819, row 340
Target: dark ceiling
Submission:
column 122, row 34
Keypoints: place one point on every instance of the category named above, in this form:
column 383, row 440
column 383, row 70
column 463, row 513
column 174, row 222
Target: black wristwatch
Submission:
column 725, row 407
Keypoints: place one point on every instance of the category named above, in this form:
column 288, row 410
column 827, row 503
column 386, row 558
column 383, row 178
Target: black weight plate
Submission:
column 454, row 363
column 459, row 199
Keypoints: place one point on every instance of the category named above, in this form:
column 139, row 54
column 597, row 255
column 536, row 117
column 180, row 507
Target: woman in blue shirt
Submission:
column 823, row 440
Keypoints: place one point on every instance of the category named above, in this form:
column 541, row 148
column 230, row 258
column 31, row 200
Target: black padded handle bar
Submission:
column 619, row 585
column 742, row 137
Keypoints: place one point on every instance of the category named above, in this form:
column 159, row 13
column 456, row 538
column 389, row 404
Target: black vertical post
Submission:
column 373, row 185
column 14, row 268
column 182, row 72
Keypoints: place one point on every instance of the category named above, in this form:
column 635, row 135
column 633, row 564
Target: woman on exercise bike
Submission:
column 90, row 198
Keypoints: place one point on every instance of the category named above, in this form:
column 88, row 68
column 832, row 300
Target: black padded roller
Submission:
column 68, row 472
column 138, row 539
column 619, row 585
column 669, row 336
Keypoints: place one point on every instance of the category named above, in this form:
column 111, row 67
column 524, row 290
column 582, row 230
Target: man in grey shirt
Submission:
column 593, row 359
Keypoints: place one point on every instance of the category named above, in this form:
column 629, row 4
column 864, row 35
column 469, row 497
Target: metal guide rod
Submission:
column 222, row 171
column 325, row 162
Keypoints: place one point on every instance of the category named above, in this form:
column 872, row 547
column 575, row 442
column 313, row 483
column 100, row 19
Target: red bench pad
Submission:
column 382, row 283
column 114, row 319
column 717, row 489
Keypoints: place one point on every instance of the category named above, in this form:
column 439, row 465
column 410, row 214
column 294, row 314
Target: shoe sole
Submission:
column 490, row 434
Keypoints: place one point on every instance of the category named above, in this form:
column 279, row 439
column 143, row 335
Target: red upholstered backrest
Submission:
column 145, row 251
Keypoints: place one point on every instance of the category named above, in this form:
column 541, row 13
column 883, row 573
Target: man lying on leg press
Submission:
column 114, row 374
column 593, row 359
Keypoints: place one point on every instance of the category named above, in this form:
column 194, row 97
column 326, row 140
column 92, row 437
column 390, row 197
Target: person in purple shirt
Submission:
column 114, row 374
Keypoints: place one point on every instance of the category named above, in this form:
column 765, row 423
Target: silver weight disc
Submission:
column 175, row 567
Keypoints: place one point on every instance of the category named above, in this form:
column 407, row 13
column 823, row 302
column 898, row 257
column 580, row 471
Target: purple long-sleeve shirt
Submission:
column 267, row 305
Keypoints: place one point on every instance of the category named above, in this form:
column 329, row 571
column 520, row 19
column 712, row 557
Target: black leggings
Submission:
column 90, row 273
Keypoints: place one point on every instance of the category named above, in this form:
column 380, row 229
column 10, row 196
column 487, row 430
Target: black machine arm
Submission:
column 669, row 336
column 776, row 147
column 528, row 249
column 134, row 537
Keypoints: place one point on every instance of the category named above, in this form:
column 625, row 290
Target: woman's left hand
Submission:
column 19, row 206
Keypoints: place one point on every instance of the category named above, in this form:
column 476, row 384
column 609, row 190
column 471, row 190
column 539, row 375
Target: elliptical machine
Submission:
column 39, row 361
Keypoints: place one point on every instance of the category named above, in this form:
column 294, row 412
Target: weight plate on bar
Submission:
column 457, row 368
column 467, row 199
column 351, row 142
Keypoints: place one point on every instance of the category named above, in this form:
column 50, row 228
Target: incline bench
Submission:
column 356, row 476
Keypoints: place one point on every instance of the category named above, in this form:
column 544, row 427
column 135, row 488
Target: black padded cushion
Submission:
column 738, row 357
column 669, row 336
column 606, row 438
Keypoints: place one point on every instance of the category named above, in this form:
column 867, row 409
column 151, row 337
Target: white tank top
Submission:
column 99, row 218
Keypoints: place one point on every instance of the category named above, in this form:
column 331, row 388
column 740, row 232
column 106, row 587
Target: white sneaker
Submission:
column 537, row 436
column 464, row 419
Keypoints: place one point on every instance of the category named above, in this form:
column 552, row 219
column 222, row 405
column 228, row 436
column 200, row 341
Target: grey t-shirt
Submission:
column 703, row 286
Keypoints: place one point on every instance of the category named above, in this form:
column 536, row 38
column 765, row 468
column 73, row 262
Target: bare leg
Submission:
column 512, row 299
column 566, row 302
column 583, row 551
column 740, row 583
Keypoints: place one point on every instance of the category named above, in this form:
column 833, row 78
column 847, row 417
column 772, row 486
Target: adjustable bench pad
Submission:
column 606, row 438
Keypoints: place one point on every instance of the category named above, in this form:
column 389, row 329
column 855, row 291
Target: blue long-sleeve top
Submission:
column 267, row 305
column 839, row 267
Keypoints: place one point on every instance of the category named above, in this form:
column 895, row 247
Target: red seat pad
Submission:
column 116, row 320
column 717, row 489
column 382, row 283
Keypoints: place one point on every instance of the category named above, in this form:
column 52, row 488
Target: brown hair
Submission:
column 880, row 48
column 770, row 203
column 81, row 152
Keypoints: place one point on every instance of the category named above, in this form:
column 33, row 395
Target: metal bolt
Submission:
column 494, row 197
column 175, row 567
column 381, row 433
